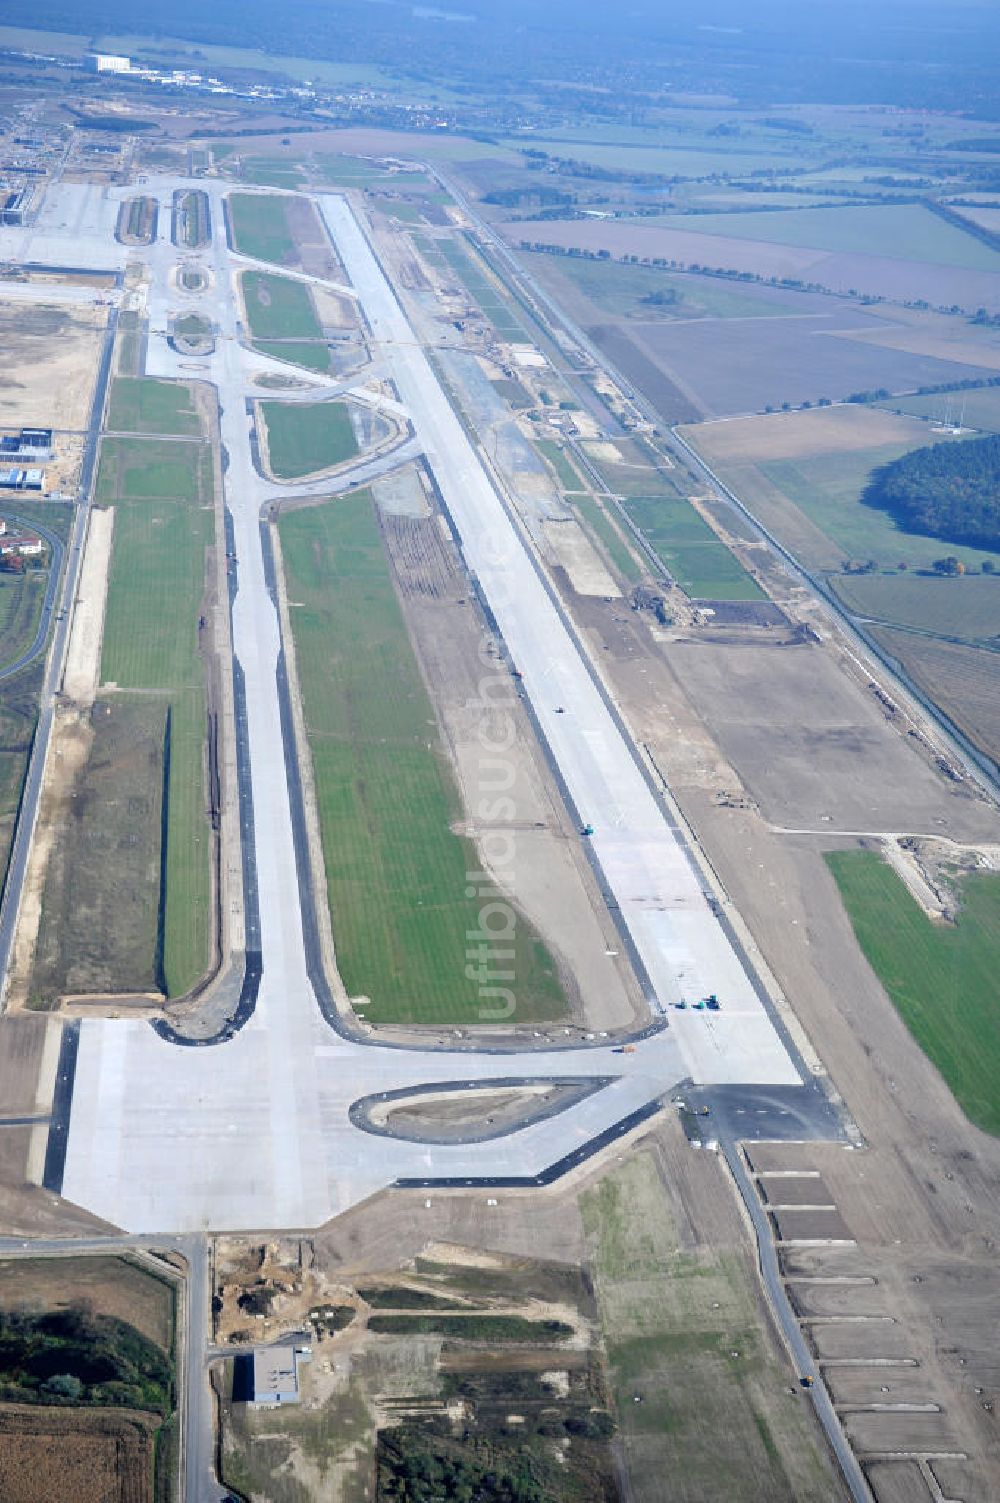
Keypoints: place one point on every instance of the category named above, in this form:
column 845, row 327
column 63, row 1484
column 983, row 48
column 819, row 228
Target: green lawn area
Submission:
column 387, row 799
column 941, row 978
column 303, row 439
column 600, row 523
column 719, row 1426
column 314, row 356
column 827, row 488
column 909, row 231
column 968, row 607
column 700, row 563
column 164, row 521
column 260, row 226
column 139, row 404
column 277, row 307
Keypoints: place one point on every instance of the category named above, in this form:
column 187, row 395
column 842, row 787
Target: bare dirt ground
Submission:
column 50, row 361
column 547, row 876
column 795, row 435
column 109, row 1284
column 83, row 656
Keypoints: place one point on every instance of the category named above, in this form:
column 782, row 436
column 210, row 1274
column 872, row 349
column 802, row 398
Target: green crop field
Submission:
column 139, row 404
column 900, row 230
column 354, row 172
column 638, row 472
column 387, row 800
column 302, row 439
column 941, row 978
column 260, row 227
column 600, row 524
column 670, row 161
column 164, row 521
column 279, row 308
column 313, row 356
column 968, row 607
column 979, row 408
column 690, row 551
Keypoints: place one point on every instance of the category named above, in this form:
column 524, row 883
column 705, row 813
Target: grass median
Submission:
column 396, row 871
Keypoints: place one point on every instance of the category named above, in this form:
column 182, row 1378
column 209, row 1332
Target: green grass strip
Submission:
column 941, row 977
column 395, row 870
column 600, row 523
column 164, row 521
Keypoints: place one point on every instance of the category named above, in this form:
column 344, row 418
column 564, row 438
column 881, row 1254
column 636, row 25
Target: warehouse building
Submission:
column 275, row 1375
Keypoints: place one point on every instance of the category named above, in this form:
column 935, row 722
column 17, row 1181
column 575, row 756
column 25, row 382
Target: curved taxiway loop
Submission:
column 258, row 1131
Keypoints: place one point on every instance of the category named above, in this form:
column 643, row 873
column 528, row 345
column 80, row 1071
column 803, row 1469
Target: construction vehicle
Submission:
column 624, row 1049
column 712, row 1003
column 807, row 1381
column 587, row 830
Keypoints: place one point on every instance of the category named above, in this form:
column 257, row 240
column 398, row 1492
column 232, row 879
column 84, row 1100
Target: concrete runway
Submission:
column 255, row 1133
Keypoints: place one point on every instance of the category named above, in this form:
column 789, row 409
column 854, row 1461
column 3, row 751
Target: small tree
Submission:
column 63, row 1386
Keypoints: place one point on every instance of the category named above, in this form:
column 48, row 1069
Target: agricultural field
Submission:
column 143, row 405
column 386, row 795
column 716, row 1411
column 302, row 440
column 907, row 231
column 355, row 172
column 624, row 291
column 967, row 608
column 941, row 978
column 89, row 1455
column 278, row 308
column 164, row 522
column 802, row 474
column 689, row 550
column 978, row 408
column 942, row 285
column 826, row 352
column 260, row 228
column 961, row 679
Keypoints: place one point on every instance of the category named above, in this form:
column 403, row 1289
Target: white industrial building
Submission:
column 108, row 62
